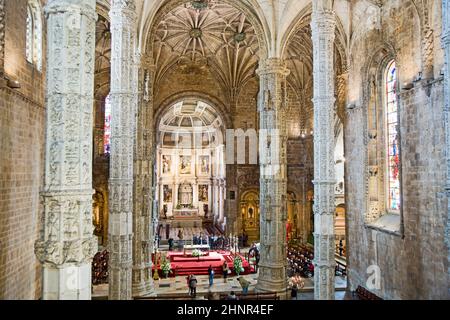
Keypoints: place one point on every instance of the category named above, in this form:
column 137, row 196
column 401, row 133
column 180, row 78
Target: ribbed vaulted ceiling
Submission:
column 219, row 36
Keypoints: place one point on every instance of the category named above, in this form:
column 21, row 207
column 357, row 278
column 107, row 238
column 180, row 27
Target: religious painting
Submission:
column 204, row 164
column 166, row 164
column 167, row 192
column 185, row 195
column 203, row 192
column 185, row 164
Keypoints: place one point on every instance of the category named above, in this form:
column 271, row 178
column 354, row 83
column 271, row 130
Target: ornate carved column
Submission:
column 176, row 186
column 323, row 33
column 446, row 46
column 273, row 175
column 123, row 123
column 221, row 186
column 143, row 181
column 216, row 199
column 2, row 37
column 66, row 244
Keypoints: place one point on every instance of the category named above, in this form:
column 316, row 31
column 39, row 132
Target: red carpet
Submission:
column 185, row 265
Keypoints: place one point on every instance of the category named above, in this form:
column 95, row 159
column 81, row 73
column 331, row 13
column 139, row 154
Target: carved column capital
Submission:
column 273, row 66
column 79, row 7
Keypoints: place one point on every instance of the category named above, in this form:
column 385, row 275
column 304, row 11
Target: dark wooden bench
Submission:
column 253, row 296
column 362, row 293
column 166, row 297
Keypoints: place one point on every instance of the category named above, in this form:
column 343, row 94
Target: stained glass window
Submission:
column 392, row 139
column 33, row 49
column 107, row 130
column 29, row 40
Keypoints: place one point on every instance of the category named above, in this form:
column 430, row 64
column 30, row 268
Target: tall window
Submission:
column 392, row 139
column 107, row 129
column 34, row 34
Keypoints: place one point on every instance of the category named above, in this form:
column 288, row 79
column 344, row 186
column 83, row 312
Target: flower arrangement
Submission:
column 237, row 264
column 297, row 281
column 197, row 253
column 166, row 267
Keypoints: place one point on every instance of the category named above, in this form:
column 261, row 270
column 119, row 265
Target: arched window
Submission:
column 107, row 130
column 34, row 34
column 392, row 140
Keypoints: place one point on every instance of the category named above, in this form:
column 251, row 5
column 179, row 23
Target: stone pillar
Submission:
column 2, row 37
column 123, row 123
column 209, row 200
column 195, row 192
column 143, row 239
column 221, row 201
column 323, row 33
column 216, row 200
column 66, row 244
column 446, row 46
column 273, row 171
column 175, row 195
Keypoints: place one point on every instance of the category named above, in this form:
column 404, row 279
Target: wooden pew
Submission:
column 363, row 294
column 166, row 297
column 253, row 296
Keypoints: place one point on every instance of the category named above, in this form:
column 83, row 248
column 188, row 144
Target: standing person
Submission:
column 225, row 271
column 257, row 257
column 294, row 291
column 193, row 285
column 180, row 241
column 188, row 282
column 211, row 275
column 244, row 284
column 170, row 244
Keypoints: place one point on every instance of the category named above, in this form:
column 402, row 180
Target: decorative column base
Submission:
column 120, row 267
column 142, row 288
column 271, row 279
column 67, row 283
column 324, row 269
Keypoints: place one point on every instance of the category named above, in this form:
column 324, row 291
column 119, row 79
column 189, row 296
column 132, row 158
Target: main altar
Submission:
column 185, row 213
column 190, row 163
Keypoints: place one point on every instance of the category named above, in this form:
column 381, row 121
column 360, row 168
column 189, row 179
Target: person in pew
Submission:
column 232, row 296
column 341, row 247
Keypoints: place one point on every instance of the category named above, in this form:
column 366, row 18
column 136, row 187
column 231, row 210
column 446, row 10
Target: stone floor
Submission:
column 178, row 286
